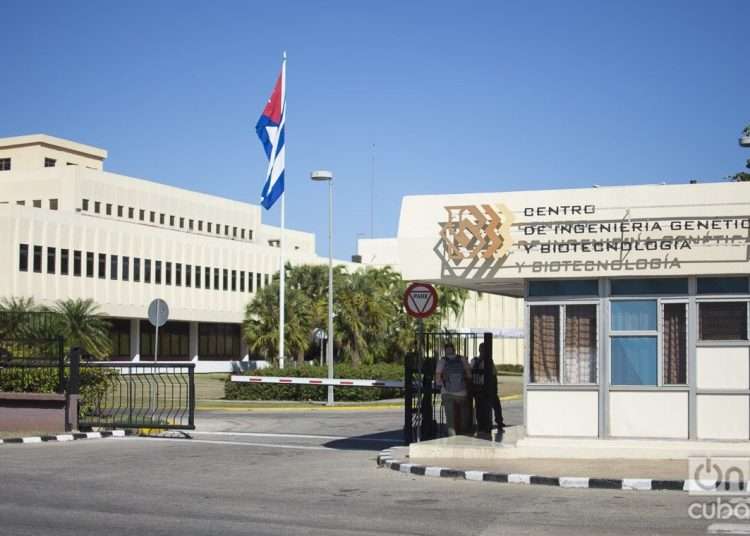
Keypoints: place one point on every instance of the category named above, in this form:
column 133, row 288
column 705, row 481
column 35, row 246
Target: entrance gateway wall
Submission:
column 637, row 300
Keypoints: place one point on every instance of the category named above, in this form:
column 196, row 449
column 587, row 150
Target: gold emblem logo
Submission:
column 476, row 232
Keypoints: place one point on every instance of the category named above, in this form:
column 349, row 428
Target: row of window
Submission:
column 5, row 163
column 52, row 204
column 215, row 341
column 121, row 267
column 170, row 220
column 564, row 339
column 634, row 287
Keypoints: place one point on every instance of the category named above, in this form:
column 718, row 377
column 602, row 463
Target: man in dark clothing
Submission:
column 485, row 396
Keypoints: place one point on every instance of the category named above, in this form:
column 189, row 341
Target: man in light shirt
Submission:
column 453, row 376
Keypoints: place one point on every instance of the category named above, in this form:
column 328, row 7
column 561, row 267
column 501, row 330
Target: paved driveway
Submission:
column 292, row 473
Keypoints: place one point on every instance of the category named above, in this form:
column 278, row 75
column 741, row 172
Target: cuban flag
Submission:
column 270, row 129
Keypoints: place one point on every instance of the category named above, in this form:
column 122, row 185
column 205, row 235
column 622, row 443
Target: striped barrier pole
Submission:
column 336, row 382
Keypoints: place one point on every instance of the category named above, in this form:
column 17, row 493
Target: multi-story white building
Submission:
column 69, row 229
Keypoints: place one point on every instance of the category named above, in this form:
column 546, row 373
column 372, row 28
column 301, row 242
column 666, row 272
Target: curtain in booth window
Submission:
column 674, row 343
column 580, row 344
column 545, row 343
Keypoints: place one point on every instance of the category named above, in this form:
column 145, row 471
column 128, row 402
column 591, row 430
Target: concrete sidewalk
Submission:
column 558, row 467
column 623, row 474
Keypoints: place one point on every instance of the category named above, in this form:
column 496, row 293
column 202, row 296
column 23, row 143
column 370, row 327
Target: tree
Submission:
column 14, row 317
column 361, row 313
column 261, row 325
column 80, row 322
column 742, row 176
column 451, row 301
column 370, row 323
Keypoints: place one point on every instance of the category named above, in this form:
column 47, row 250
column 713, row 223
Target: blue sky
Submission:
column 455, row 96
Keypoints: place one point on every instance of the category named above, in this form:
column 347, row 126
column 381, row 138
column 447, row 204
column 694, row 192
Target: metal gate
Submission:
column 424, row 417
column 134, row 395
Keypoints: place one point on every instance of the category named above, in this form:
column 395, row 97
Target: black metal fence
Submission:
column 109, row 394
column 424, row 417
column 32, row 366
column 29, row 326
column 135, row 395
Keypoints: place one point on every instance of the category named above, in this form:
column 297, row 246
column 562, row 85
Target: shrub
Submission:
column 94, row 382
column 268, row 391
column 510, row 368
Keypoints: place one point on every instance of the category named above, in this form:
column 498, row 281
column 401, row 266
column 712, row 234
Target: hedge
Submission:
column 94, row 382
column 510, row 368
column 268, row 391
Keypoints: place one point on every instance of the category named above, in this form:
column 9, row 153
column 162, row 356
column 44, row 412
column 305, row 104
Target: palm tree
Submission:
column 80, row 322
column 14, row 317
column 451, row 301
column 261, row 325
column 364, row 310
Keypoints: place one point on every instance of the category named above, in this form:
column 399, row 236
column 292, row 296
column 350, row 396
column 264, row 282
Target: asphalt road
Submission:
column 310, row 473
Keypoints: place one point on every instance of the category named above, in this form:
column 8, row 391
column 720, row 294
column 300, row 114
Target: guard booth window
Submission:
column 575, row 355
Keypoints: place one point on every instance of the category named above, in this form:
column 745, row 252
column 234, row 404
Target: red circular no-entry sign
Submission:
column 420, row 300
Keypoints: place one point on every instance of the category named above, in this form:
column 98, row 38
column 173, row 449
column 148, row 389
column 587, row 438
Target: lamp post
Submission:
column 323, row 175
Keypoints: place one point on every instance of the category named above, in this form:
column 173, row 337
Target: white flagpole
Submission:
column 282, row 282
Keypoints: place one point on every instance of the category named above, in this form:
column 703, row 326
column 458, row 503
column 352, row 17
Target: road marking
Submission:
column 515, row 478
column 283, row 409
column 728, row 528
column 295, row 436
column 217, row 442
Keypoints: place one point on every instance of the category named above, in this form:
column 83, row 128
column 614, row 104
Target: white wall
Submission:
column 648, row 414
column 723, row 417
column 723, row 367
column 562, row 413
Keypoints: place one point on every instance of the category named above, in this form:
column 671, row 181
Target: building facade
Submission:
column 636, row 300
column 69, row 229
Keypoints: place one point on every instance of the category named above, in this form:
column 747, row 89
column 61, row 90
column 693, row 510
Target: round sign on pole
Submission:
column 319, row 334
column 158, row 313
column 420, row 300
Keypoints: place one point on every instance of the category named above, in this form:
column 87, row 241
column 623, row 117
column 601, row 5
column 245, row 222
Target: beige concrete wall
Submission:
column 562, row 413
column 28, row 152
column 648, row 414
column 723, row 367
column 723, row 417
column 128, row 298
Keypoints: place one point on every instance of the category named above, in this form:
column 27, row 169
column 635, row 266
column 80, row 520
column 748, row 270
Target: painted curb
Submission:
column 73, row 436
column 386, row 459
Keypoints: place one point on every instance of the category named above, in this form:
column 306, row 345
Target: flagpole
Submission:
column 282, row 274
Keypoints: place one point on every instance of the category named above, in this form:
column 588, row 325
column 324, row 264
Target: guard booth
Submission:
column 637, row 301
column 424, row 416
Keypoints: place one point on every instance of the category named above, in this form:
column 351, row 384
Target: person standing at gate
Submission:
column 453, row 375
column 485, row 393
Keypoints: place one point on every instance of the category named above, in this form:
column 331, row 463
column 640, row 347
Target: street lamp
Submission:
column 323, row 175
